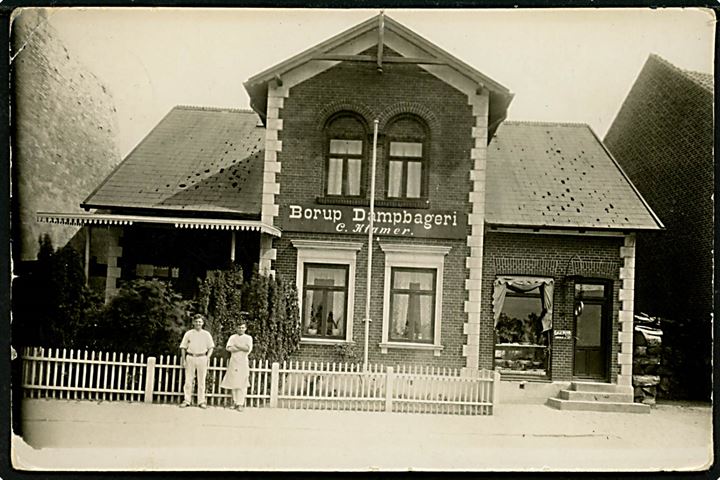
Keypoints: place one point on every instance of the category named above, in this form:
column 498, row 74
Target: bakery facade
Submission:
column 495, row 244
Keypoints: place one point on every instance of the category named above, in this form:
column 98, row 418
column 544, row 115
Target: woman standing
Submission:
column 238, row 371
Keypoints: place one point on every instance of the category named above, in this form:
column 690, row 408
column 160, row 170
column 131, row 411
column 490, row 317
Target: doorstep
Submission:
column 525, row 392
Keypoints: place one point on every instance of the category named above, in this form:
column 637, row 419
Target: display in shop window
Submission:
column 521, row 345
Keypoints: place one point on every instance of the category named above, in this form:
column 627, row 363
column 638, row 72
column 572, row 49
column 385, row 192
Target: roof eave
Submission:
column 575, row 228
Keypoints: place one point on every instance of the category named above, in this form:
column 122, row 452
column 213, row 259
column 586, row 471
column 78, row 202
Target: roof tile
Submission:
column 558, row 175
column 203, row 159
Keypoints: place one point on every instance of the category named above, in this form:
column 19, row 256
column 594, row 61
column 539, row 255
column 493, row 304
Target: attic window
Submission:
column 407, row 166
column 345, row 152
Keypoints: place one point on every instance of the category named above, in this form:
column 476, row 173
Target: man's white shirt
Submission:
column 197, row 342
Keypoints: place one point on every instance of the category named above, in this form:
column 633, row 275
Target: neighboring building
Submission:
column 663, row 138
column 496, row 245
column 64, row 132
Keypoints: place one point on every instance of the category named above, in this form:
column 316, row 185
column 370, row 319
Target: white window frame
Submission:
column 331, row 253
column 413, row 256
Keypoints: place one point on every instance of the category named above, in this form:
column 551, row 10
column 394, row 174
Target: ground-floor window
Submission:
column 522, row 308
column 325, row 302
column 326, row 283
column 412, row 299
column 412, row 305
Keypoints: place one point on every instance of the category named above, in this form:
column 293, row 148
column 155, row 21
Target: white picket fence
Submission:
column 82, row 375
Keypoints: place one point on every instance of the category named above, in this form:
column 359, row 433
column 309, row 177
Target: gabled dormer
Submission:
column 379, row 41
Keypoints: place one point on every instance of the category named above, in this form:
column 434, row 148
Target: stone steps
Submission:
column 612, row 397
column 597, row 397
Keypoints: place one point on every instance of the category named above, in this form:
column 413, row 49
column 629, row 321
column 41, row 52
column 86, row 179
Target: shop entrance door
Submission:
column 592, row 331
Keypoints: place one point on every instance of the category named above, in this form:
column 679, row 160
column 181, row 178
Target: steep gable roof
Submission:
column 194, row 160
column 425, row 53
column 703, row 80
column 559, row 175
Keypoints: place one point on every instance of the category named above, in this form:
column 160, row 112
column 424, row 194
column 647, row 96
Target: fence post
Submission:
column 274, row 384
column 149, row 379
column 389, row 381
column 495, row 389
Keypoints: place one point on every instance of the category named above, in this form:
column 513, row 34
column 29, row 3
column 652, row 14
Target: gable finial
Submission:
column 381, row 41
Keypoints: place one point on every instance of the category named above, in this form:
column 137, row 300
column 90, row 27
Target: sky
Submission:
column 562, row 65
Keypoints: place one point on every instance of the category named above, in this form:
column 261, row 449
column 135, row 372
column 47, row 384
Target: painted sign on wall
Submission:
column 396, row 222
column 564, row 334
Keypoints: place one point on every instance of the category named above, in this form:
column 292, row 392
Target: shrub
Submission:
column 220, row 300
column 269, row 306
column 52, row 306
column 274, row 317
column 282, row 337
column 146, row 316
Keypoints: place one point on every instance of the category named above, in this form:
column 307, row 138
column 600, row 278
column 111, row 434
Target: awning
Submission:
column 80, row 219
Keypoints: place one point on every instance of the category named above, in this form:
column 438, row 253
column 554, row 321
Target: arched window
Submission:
column 345, row 152
column 407, row 166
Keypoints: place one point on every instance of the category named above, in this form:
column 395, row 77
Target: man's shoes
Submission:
column 184, row 405
column 203, row 406
column 239, row 408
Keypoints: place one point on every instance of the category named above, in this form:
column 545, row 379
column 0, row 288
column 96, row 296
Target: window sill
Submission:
column 324, row 341
column 510, row 346
column 404, row 203
column 358, row 201
column 411, row 346
column 365, row 202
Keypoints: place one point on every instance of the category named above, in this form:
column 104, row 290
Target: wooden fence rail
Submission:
column 72, row 374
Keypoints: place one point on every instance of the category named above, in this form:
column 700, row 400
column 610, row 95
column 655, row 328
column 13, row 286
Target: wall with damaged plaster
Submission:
column 65, row 129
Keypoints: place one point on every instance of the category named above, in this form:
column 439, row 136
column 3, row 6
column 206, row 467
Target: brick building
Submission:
column 663, row 139
column 505, row 245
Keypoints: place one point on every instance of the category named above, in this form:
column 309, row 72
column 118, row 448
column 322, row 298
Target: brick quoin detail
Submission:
column 273, row 149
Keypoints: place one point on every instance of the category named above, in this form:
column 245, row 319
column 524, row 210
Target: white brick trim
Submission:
column 271, row 186
column 328, row 252
column 474, row 264
column 627, row 304
column 413, row 256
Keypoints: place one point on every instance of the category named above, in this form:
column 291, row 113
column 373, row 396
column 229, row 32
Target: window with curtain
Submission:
column 325, row 300
column 345, row 153
column 522, row 310
column 407, row 168
column 412, row 305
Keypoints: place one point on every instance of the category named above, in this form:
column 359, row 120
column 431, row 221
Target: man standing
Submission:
column 195, row 351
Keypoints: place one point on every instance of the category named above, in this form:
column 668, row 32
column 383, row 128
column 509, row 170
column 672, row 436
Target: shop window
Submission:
column 344, row 167
column 522, row 308
column 325, row 300
column 412, row 300
column 412, row 305
column 407, row 169
column 326, row 284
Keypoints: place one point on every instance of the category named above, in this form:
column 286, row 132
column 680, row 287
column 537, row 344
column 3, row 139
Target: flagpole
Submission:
column 371, row 225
